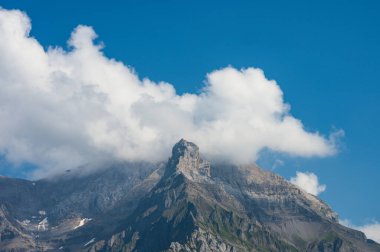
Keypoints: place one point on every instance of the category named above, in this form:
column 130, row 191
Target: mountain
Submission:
column 185, row 204
column 70, row 208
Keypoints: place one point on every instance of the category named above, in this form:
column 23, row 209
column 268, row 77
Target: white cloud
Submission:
column 371, row 230
column 308, row 182
column 277, row 163
column 60, row 109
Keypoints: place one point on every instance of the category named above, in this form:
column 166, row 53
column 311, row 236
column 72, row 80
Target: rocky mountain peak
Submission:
column 185, row 148
column 133, row 207
column 186, row 159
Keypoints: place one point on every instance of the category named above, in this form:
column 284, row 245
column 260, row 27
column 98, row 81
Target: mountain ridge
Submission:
column 185, row 204
column 194, row 200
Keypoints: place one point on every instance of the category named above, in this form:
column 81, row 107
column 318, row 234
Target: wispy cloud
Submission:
column 308, row 182
column 60, row 109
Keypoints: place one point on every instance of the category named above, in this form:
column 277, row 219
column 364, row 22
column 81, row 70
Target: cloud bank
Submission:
column 308, row 182
column 371, row 230
column 63, row 108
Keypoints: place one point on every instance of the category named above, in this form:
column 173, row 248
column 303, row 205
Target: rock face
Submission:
column 186, row 160
column 70, row 208
column 187, row 204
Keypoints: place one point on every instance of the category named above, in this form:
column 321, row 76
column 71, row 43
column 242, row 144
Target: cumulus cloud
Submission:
column 371, row 230
column 63, row 108
column 308, row 182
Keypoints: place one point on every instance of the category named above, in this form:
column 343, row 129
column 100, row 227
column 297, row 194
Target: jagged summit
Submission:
column 185, row 148
column 186, row 159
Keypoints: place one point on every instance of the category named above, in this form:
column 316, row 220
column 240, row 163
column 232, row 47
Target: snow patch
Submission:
column 82, row 222
column 42, row 212
column 89, row 242
column 43, row 225
column 25, row 222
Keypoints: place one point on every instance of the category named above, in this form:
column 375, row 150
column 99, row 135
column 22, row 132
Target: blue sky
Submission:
column 325, row 56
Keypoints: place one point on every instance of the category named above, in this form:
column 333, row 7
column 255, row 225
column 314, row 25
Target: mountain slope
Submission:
column 70, row 208
column 196, row 207
column 186, row 204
